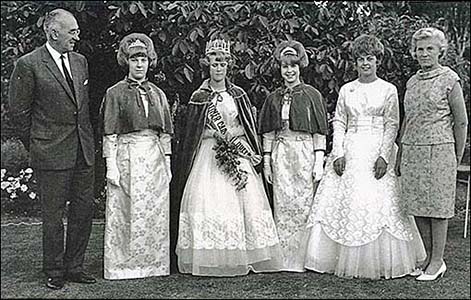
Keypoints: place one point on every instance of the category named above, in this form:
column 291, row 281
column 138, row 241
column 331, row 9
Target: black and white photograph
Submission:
column 235, row 149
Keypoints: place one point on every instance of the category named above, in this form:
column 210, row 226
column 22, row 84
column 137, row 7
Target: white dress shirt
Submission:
column 57, row 58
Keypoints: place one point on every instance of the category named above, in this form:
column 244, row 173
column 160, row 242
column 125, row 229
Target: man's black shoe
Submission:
column 80, row 277
column 55, row 283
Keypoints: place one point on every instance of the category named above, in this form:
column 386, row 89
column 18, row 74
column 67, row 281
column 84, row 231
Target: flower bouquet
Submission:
column 228, row 161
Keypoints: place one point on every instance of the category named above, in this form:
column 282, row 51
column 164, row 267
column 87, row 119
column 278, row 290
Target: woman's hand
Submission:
column 380, row 168
column 267, row 168
column 339, row 165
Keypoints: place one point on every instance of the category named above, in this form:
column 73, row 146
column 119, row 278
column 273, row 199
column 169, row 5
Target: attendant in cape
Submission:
column 433, row 137
column 226, row 226
column 294, row 127
column 136, row 144
column 358, row 226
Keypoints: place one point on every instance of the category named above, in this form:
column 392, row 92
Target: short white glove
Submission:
column 267, row 168
column 318, row 170
column 112, row 172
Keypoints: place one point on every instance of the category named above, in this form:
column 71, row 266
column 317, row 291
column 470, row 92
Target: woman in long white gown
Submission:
column 226, row 227
column 358, row 225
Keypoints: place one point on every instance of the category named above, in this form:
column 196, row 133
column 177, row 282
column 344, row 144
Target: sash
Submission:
column 216, row 122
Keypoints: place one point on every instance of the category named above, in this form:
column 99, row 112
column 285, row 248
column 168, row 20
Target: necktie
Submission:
column 67, row 75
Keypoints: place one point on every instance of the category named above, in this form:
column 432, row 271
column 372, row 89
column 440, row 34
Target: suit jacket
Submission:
column 52, row 122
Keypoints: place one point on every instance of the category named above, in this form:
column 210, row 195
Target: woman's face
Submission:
column 217, row 68
column 367, row 66
column 138, row 67
column 427, row 52
column 290, row 74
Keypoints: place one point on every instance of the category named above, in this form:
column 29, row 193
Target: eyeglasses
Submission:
column 74, row 32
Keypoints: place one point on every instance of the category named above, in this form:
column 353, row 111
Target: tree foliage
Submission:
column 180, row 30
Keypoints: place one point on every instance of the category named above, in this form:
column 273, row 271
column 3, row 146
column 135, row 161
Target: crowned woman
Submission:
column 226, row 226
column 137, row 129
column 294, row 127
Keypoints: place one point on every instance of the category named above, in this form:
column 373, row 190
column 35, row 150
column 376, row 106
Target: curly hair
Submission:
column 219, row 56
column 123, row 51
column 429, row 32
column 367, row 44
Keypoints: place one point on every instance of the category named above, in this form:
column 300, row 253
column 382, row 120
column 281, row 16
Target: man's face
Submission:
column 66, row 34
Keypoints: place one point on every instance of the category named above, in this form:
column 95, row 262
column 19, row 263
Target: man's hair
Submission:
column 53, row 18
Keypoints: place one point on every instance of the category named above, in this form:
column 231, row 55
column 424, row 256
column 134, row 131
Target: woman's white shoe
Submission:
column 430, row 277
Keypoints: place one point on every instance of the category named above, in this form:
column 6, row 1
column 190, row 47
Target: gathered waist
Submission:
column 142, row 136
column 374, row 123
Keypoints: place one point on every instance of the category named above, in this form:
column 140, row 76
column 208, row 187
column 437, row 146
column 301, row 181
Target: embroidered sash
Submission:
column 216, row 122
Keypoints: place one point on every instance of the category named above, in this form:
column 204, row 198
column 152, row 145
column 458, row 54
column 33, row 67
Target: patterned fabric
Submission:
column 224, row 232
column 356, row 215
column 293, row 192
column 428, row 177
column 137, row 212
column 428, row 119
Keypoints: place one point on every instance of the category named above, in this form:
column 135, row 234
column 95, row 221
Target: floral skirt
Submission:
column 224, row 232
column 137, row 212
column 428, row 178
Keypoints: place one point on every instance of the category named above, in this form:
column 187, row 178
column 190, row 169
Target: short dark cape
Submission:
column 308, row 111
column 196, row 120
column 122, row 109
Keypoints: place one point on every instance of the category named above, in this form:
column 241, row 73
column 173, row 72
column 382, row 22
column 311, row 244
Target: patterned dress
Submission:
column 224, row 232
column 428, row 165
column 137, row 211
column 292, row 154
column 358, row 227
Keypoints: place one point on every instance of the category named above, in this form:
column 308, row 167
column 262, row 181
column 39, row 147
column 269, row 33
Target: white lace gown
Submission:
column 224, row 232
column 358, row 226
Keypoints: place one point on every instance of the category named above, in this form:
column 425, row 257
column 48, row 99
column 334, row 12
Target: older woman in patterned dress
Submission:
column 433, row 136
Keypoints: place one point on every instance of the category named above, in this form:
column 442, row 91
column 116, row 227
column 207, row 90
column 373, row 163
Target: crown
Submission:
column 218, row 45
column 288, row 51
column 137, row 43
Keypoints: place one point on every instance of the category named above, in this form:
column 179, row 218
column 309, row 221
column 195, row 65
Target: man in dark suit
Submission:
column 49, row 109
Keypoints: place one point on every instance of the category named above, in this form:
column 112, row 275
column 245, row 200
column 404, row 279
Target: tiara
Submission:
column 218, row 45
column 288, row 51
column 137, row 43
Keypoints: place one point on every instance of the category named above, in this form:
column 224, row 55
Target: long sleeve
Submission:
column 339, row 124
column 391, row 125
column 267, row 142
column 166, row 142
column 319, row 142
column 110, row 145
column 460, row 119
column 21, row 99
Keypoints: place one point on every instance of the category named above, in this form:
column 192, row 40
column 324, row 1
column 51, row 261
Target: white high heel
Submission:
column 430, row 277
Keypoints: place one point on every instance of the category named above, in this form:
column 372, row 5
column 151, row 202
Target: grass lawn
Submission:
column 21, row 276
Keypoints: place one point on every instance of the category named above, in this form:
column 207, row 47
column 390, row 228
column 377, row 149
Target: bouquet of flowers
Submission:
column 228, row 161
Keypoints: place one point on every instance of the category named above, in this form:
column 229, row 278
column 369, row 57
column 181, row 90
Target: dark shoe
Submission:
column 55, row 283
column 80, row 277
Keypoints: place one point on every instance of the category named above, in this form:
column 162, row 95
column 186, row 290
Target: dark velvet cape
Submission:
column 308, row 111
column 196, row 120
column 122, row 109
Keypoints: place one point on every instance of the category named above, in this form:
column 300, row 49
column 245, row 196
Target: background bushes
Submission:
column 180, row 30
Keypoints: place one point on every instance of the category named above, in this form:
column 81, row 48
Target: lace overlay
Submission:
column 137, row 212
column 224, row 232
column 360, row 219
